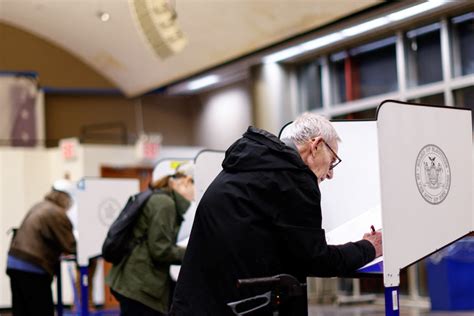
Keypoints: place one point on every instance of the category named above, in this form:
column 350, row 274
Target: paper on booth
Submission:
column 355, row 229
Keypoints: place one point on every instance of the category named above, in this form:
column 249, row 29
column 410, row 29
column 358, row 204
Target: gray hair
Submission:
column 310, row 125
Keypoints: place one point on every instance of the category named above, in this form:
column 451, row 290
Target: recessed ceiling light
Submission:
column 203, row 82
column 104, row 16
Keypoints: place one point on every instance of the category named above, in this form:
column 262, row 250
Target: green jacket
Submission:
column 144, row 275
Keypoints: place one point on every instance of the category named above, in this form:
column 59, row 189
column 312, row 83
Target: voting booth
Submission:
column 409, row 173
column 99, row 202
column 425, row 155
column 207, row 165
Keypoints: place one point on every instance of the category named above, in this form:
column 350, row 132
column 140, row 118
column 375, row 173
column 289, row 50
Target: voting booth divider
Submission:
column 99, row 202
column 408, row 173
column 207, row 165
column 425, row 156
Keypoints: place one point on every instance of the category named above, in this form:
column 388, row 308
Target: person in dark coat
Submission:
column 261, row 216
column 35, row 250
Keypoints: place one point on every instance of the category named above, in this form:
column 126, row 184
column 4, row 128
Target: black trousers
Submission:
column 129, row 307
column 31, row 293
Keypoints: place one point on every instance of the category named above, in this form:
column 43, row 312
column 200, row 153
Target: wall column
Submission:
column 271, row 97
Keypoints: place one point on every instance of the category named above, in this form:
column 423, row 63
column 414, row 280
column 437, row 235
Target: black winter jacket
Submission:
column 260, row 217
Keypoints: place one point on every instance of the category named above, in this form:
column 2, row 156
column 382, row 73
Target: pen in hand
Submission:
column 375, row 237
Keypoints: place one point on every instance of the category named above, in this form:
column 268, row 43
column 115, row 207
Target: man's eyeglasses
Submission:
column 338, row 160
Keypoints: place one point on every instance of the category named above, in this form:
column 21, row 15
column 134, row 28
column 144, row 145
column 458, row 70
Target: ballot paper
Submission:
column 374, row 266
column 354, row 230
column 174, row 268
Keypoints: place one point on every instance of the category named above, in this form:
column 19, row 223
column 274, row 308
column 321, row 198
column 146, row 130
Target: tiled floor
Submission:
column 377, row 310
column 332, row 310
column 70, row 313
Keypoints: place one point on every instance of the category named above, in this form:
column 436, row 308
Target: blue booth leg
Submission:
column 84, row 292
column 392, row 307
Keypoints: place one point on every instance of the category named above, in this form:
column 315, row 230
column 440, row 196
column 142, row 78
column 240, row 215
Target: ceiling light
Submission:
column 104, row 16
column 417, row 9
column 321, row 41
column 283, row 54
column 364, row 27
column 351, row 31
column 299, row 49
column 203, row 82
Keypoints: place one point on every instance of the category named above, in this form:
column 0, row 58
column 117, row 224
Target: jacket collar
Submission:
column 271, row 141
column 288, row 142
column 264, row 137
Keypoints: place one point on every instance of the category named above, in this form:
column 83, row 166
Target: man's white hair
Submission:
column 310, row 125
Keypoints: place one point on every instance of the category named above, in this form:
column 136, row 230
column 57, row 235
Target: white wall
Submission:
column 112, row 155
column 25, row 177
column 227, row 112
column 171, row 152
column 92, row 157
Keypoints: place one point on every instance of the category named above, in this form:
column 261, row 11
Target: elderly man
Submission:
column 261, row 217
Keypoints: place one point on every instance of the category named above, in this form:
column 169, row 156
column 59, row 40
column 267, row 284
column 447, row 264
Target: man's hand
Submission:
column 375, row 239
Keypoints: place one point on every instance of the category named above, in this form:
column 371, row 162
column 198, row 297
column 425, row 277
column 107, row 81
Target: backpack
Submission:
column 119, row 244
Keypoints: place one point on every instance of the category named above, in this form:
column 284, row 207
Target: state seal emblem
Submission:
column 108, row 211
column 432, row 174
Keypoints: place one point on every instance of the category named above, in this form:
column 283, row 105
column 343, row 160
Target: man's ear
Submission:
column 315, row 142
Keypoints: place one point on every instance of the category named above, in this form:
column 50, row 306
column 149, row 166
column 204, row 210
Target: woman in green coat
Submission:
column 141, row 281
